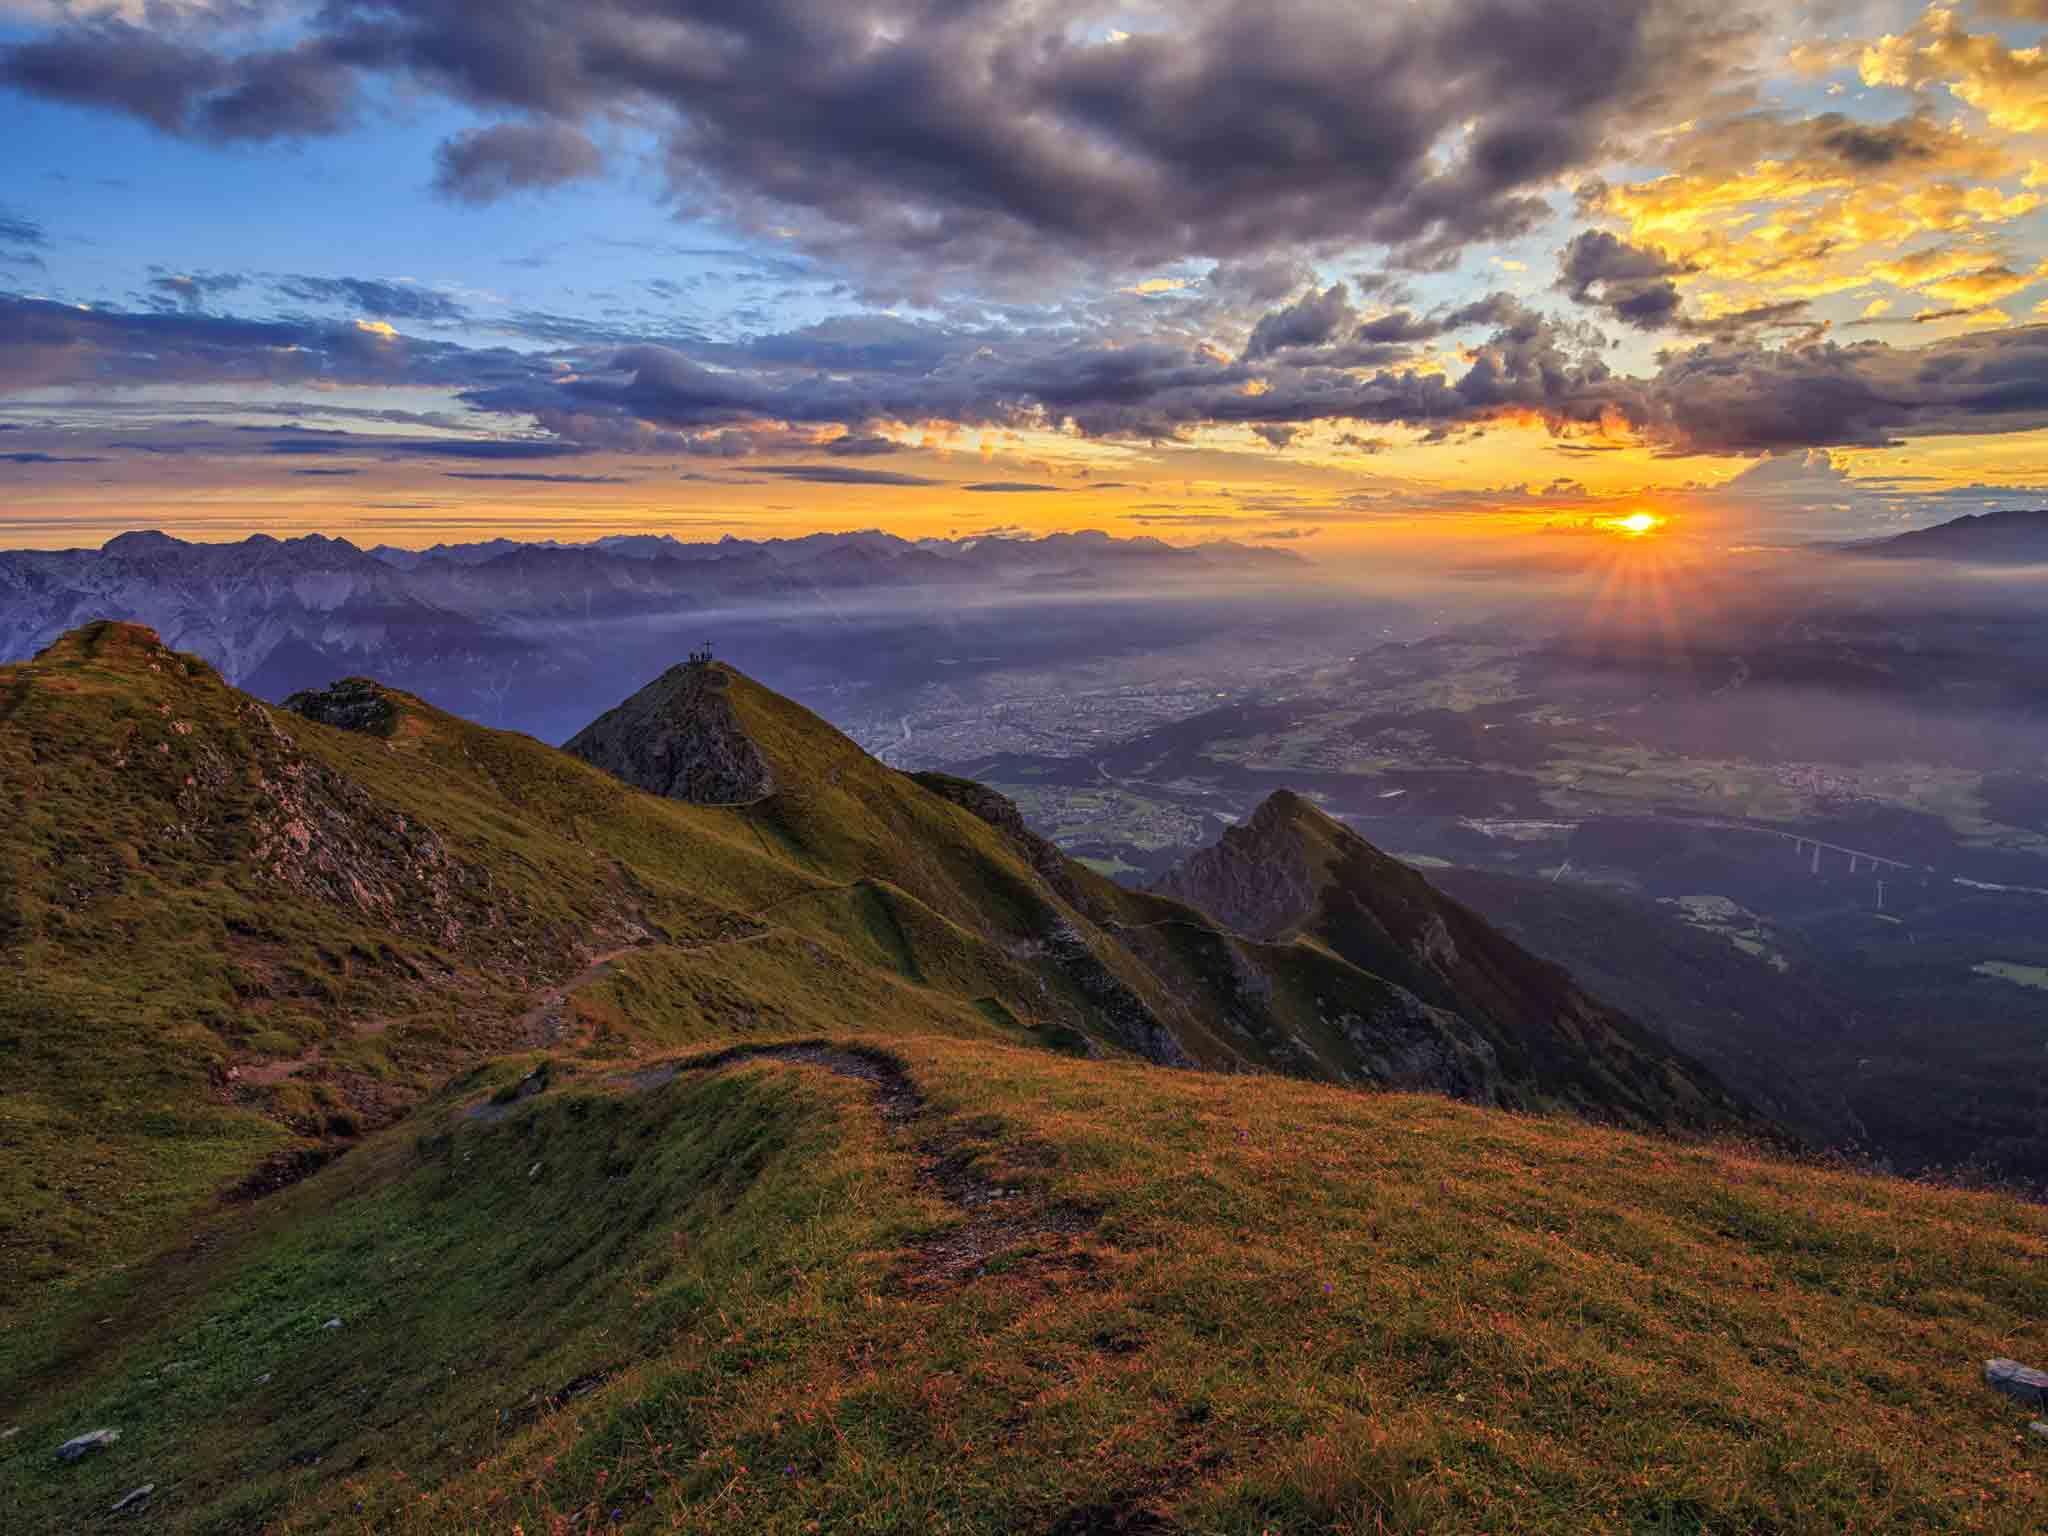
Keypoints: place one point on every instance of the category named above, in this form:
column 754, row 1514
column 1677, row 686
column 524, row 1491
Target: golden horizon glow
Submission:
column 1636, row 524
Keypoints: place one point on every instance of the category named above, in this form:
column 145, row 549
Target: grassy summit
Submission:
column 809, row 1165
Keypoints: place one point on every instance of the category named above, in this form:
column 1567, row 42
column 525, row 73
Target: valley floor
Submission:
column 933, row 1284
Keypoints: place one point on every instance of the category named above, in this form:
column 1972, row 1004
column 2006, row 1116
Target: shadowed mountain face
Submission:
column 680, row 737
column 1291, row 874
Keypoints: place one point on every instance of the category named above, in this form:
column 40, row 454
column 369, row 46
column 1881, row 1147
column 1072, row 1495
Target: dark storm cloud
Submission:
column 1310, row 321
column 1628, row 282
column 839, row 474
column 984, row 134
column 1743, row 399
column 485, row 164
column 373, row 299
column 1324, row 328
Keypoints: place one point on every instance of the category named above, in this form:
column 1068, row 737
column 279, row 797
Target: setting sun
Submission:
column 1636, row 524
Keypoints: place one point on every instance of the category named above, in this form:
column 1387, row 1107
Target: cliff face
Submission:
column 1259, row 879
column 680, row 737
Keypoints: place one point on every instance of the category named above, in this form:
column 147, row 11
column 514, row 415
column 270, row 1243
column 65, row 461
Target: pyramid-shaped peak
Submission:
column 681, row 737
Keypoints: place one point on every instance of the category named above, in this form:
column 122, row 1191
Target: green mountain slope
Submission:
column 811, row 1164
column 244, row 936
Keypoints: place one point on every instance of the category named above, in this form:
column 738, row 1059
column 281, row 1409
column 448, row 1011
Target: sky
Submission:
column 1304, row 272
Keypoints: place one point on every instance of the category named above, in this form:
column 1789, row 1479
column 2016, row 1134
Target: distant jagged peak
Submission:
column 681, row 737
column 140, row 542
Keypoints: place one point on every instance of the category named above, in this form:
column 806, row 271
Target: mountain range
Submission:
column 527, row 635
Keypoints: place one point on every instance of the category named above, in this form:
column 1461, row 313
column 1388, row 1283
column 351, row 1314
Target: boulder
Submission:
column 132, row 1498
column 2022, row 1383
column 85, row 1444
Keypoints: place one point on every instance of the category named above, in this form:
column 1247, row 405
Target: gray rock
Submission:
column 332, row 1322
column 9, row 1434
column 2040, row 1428
column 87, row 1443
column 264, row 1379
column 132, row 1498
column 2022, row 1383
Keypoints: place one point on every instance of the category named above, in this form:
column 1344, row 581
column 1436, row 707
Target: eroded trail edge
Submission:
column 1006, row 1227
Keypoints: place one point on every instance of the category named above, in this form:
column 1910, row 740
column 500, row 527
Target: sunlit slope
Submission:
column 232, row 934
column 239, row 937
column 991, row 1289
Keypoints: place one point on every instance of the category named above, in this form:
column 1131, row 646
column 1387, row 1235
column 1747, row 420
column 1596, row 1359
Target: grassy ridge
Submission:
column 1063, row 1296
column 1292, row 1309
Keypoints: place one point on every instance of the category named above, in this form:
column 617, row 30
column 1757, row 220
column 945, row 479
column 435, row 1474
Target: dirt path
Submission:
column 542, row 1023
column 1000, row 1221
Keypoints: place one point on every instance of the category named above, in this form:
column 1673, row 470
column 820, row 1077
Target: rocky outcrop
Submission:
column 681, row 738
column 353, row 704
column 1257, row 879
column 1402, row 1042
column 1135, row 1026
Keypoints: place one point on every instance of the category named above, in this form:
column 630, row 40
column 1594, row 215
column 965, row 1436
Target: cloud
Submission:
column 862, row 446
column 44, row 344
column 1745, row 399
column 186, row 88
column 46, row 458
column 1633, row 284
column 321, row 443
column 373, row 298
column 485, row 164
column 839, row 474
column 1729, row 392
column 1009, row 485
column 20, row 239
column 325, row 473
column 2008, row 85
column 191, row 291
column 927, row 136
column 19, row 231
column 537, row 479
